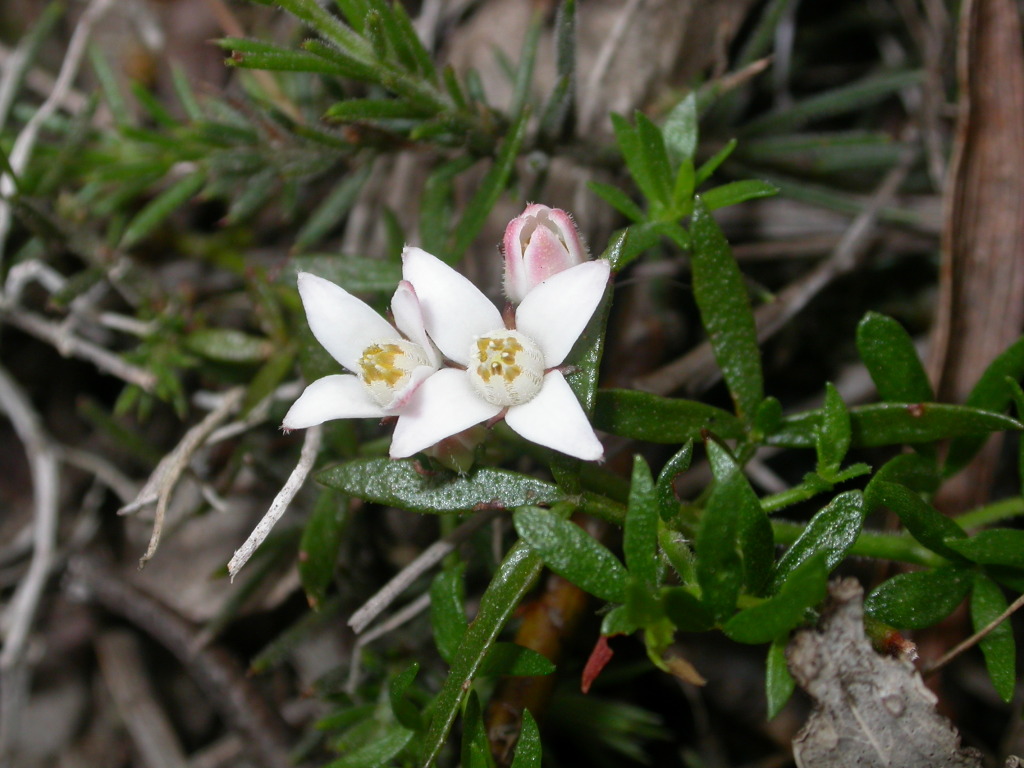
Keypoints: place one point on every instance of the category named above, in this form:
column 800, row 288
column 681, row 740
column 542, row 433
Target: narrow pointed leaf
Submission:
column 656, row 419
column 528, row 747
column 447, row 611
column 832, row 530
column 998, row 647
column 921, row 519
column 380, row 751
column 665, row 490
column 804, row 588
column 737, row 192
column 681, row 129
column 161, row 207
column 779, row 683
column 572, row 553
column 640, row 533
column 995, row 546
column 515, row 660
column 318, row 549
column 891, row 358
column 725, row 312
column 834, row 435
column 398, row 484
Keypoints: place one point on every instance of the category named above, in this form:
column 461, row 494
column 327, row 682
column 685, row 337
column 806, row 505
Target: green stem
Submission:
column 992, row 513
column 879, row 546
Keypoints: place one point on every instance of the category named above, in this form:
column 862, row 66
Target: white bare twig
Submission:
column 14, row 675
column 408, row 612
column 24, row 144
column 432, row 555
column 307, row 457
column 161, row 483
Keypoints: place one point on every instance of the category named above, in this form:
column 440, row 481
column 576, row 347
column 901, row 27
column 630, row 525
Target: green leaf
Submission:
column 917, row 472
column 640, row 533
column 355, row 274
column 528, row 748
column 386, row 747
column 586, row 354
column 686, row 612
column 778, row 682
column 226, row 345
column 318, row 548
column 447, row 614
column 355, row 110
column 515, row 660
column 161, row 207
column 562, row 101
column 681, row 130
column 998, row 646
column 488, row 192
column 475, row 751
column 655, row 159
column 665, row 491
column 515, row 576
column 804, row 588
column 834, row 435
column 921, row 519
column 756, row 543
column 991, row 393
column 333, row 208
column 719, row 564
column 398, row 484
column 637, row 158
column 617, row 199
column 832, row 531
column 328, row 25
column 655, row 419
column 918, row 599
column 995, row 546
column 881, row 424
column 891, row 358
column 737, row 192
column 725, row 312
column 405, row 711
column 572, row 553
column 712, row 164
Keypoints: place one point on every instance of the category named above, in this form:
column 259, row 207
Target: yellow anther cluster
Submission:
column 386, row 367
column 506, row 367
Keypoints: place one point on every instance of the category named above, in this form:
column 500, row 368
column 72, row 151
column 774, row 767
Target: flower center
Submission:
column 506, row 367
column 386, row 367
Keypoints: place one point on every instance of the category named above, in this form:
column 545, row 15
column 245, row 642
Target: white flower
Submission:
column 539, row 243
column 510, row 371
column 389, row 366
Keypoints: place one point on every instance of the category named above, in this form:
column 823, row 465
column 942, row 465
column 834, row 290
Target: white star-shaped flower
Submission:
column 502, row 370
column 388, row 365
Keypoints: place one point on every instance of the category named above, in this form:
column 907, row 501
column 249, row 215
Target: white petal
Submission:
column 344, row 325
column 409, row 318
column 332, row 397
column 555, row 313
column 555, row 418
column 454, row 310
column 442, row 405
column 417, row 376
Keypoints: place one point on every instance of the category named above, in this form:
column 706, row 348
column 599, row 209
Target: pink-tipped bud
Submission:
column 539, row 243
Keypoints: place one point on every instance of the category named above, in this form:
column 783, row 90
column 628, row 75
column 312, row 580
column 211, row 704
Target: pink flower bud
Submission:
column 539, row 243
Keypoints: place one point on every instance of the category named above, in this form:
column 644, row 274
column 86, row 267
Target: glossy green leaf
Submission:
column 515, row 576
column 832, row 530
column 585, row 357
column 655, row 158
column 528, row 747
column 161, row 207
column 737, row 192
column 636, row 157
column 318, row 548
column 881, row 424
column 991, row 393
column 778, row 683
column 685, row 610
column 804, row 588
column 995, row 546
column 668, row 503
column 572, row 553
column 918, row 599
column 725, row 312
column 834, row 434
column 620, row 620
column 998, row 646
column 227, row 345
column 656, row 419
column 356, row 274
column 391, row 741
column 681, row 130
column 447, row 611
column 516, row 660
column 476, row 751
column 917, row 472
column 404, row 710
column 399, row 484
column 640, row 532
column 891, row 358
column 757, row 547
column 921, row 519
column 478, row 209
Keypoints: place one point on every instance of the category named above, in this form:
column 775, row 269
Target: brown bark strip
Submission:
column 981, row 307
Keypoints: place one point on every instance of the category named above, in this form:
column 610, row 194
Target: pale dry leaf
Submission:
column 869, row 710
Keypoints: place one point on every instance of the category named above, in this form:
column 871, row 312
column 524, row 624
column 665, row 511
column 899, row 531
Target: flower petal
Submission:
column 454, row 310
column 417, row 376
column 409, row 318
column 341, row 396
column 555, row 419
column 344, row 325
column 555, row 313
column 442, row 405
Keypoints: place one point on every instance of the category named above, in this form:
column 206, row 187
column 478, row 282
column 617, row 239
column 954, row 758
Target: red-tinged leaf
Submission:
column 599, row 658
